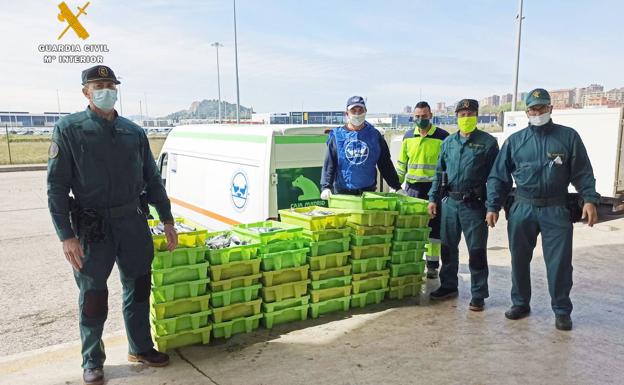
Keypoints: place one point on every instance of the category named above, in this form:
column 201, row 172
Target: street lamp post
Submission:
column 216, row 44
column 514, row 97
column 236, row 63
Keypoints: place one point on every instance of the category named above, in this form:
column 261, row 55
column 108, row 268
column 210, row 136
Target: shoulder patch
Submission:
column 53, row 150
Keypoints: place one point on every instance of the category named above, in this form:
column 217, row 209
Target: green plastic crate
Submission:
column 367, row 201
column 410, row 221
column 279, row 246
column 238, row 295
column 407, row 256
column 178, row 307
column 179, row 290
column 368, row 298
column 285, row 304
column 189, row 239
column 404, row 280
column 329, row 247
column 280, row 277
column 178, row 257
column 369, row 230
column 372, row 218
column 230, row 254
column 177, row 274
column 288, row 290
column 285, row 232
column 327, row 235
column 234, row 283
column 368, row 264
column 175, row 325
column 330, row 306
column 366, row 240
column 234, row 269
column 237, row 310
column 292, row 314
column 236, row 326
column 332, row 272
column 397, row 270
column 190, row 337
column 298, row 217
column 331, row 282
column 284, row 259
column 321, row 295
column 412, row 234
column 365, row 285
column 409, row 245
column 408, row 290
column 323, row 262
column 371, row 274
column 370, row 251
column 408, row 205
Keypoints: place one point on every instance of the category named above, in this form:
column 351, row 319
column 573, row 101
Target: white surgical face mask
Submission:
column 357, row 120
column 104, row 99
column 539, row 120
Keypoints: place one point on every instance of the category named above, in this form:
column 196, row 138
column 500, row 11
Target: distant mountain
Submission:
column 209, row 109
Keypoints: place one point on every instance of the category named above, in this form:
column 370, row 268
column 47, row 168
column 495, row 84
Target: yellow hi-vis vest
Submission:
column 419, row 155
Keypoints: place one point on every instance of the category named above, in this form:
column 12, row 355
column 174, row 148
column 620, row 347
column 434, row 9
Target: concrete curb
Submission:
column 23, row 167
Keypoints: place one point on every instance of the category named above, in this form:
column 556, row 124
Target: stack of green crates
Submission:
column 371, row 223
column 235, row 283
column 330, row 273
column 410, row 236
column 284, row 270
column 179, row 311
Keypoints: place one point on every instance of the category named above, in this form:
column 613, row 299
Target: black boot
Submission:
column 150, row 358
column 563, row 322
column 517, row 312
column 477, row 304
column 93, row 376
column 443, row 293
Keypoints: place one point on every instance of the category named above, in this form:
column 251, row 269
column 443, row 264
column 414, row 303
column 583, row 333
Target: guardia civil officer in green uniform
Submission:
column 465, row 161
column 105, row 161
column 543, row 159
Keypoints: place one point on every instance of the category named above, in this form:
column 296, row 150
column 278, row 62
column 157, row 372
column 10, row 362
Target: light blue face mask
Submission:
column 104, row 99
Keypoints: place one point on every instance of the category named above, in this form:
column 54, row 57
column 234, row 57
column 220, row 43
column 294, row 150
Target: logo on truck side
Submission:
column 239, row 190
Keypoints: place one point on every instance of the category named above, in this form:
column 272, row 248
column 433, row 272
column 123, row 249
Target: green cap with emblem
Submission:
column 536, row 97
column 99, row 72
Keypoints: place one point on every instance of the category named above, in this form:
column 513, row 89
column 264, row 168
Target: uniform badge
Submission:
column 53, row 150
column 536, row 94
column 103, row 72
column 466, row 104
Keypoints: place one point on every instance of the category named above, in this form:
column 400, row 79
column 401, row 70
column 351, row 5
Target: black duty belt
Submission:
column 356, row 192
column 133, row 207
column 543, row 202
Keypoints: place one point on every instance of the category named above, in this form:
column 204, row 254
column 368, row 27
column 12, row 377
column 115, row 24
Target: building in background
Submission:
column 506, row 99
column 440, row 107
column 564, row 98
column 22, row 119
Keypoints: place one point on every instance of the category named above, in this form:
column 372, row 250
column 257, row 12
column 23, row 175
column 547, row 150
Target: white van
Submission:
column 220, row 175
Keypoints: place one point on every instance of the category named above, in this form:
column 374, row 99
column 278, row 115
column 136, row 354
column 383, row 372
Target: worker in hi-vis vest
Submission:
column 416, row 167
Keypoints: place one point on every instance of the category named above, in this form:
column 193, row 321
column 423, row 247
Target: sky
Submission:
column 310, row 55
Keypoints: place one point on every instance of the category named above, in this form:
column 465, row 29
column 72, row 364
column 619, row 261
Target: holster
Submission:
column 88, row 224
column 143, row 205
column 509, row 201
column 575, row 206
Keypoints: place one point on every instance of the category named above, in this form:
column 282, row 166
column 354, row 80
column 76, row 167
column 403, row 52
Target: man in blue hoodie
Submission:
column 354, row 153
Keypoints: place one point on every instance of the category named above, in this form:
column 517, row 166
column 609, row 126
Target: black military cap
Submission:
column 467, row 104
column 98, row 73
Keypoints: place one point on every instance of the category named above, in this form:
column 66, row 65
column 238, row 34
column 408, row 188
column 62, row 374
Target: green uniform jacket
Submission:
column 543, row 162
column 467, row 163
column 104, row 164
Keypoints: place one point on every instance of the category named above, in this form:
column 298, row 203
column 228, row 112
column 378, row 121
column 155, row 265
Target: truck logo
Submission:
column 308, row 188
column 356, row 152
column 239, row 190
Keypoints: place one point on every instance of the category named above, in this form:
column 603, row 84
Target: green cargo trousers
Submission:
column 525, row 223
column 129, row 243
column 458, row 217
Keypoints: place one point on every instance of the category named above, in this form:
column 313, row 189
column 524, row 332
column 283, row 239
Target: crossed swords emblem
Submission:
column 72, row 20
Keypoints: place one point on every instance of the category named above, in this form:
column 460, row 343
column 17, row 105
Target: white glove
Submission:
column 326, row 194
column 401, row 192
column 391, row 190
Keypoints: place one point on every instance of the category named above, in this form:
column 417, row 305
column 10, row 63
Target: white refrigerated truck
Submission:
column 220, row 175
